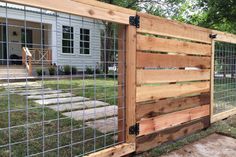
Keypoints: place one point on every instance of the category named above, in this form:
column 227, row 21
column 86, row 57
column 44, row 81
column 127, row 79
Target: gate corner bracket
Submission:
column 134, row 21
column 134, row 130
column 212, row 36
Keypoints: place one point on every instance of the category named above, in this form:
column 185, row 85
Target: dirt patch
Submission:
column 214, row 145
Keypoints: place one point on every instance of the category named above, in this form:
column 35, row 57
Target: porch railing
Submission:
column 27, row 59
column 41, row 56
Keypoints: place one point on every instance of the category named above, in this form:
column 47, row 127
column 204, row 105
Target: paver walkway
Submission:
column 96, row 114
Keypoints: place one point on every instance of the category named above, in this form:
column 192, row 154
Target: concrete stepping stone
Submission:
column 94, row 113
column 104, row 125
column 23, row 88
column 21, row 84
column 61, row 100
column 78, row 106
column 39, row 92
column 49, row 96
column 30, row 90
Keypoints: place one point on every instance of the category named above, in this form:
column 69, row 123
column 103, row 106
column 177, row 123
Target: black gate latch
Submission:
column 212, row 36
column 134, row 21
column 134, row 130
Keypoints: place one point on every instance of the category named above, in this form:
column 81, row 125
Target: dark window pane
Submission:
column 86, row 38
column 86, row 45
column 86, row 51
column 66, row 43
column 86, row 31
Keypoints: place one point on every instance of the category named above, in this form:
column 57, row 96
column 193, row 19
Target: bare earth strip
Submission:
column 214, row 145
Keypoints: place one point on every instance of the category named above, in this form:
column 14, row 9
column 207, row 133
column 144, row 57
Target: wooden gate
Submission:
column 172, row 80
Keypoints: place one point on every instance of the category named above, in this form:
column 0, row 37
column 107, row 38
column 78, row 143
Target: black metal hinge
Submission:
column 134, row 130
column 134, row 21
column 212, row 36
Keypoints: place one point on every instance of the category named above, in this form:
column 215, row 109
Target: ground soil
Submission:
column 215, row 145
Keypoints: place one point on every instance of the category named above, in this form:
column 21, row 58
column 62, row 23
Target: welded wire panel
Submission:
column 62, row 83
column 224, row 77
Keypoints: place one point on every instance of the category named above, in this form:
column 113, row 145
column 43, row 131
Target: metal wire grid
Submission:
column 225, row 77
column 30, row 128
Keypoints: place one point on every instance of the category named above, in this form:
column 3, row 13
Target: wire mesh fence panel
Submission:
column 62, row 82
column 224, row 77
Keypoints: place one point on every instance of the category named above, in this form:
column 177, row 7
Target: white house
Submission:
column 71, row 40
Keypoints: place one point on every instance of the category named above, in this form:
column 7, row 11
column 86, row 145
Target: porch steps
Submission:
column 12, row 71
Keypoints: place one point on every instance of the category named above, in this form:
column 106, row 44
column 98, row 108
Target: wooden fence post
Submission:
column 131, row 35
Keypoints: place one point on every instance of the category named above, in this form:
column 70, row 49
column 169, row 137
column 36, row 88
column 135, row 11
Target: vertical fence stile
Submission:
column 212, row 79
column 130, row 81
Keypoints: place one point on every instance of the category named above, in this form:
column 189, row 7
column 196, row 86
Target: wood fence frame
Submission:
column 102, row 11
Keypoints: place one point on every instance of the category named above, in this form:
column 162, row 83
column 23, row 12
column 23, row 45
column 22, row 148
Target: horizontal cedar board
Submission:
column 147, row 93
column 80, row 9
column 160, row 26
column 148, row 43
column 119, row 150
column 162, row 122
column 148, row 142
column 106, row 6
column 164, row 76
column 171, row 61
column 153, row 109
column 225, row 37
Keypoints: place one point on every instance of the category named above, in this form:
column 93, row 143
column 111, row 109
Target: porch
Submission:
column 17, row 36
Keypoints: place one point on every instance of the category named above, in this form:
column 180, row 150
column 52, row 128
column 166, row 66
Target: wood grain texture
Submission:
column 130, row 81
column 116, row 151
column 81, row 9
column 104, row 5
column 149, row 43
column 148, row 142
column 171, row 61
column 165, row 76
column 151, row 125
column 157, row 108
column 147, row 93
column 160, row 26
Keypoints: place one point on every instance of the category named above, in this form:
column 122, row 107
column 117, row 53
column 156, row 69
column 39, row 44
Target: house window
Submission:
column 84, row 41
column 68, row 39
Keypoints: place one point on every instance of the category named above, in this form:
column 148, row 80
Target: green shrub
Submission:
column 40, row 71
column 51, row 70
column 89, row 71
column 98, row 71
column 74, row 70
column 67, row 70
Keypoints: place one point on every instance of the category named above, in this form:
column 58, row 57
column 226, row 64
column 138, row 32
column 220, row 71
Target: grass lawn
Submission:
column 225, row 94
column 99, row 89
column 226, row 127
column 56, row 130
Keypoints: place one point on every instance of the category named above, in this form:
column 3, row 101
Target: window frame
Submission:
column 71, row 40
column 83, row 41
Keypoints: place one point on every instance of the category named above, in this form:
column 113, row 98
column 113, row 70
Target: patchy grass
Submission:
column 38, row 136
column 226, row 127
column 225, row 94
column 99, row 89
